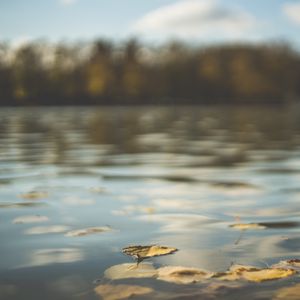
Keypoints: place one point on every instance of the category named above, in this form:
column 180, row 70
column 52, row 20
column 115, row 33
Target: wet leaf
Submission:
column 30, row 219
column 143, row 252
column 183, row 275
column 267, row 274
column 288, row 293
column 255, row 274
column 294, row 262
column 46, row 229
column 245, row 226
column 75, row 201
column 34, row 195
column 143, row 270
column 288, row 263
column 44, row 257
column 120, row 291
column 87, row 231
column 18, row 205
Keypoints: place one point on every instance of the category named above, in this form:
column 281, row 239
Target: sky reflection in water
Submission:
column 170, row 176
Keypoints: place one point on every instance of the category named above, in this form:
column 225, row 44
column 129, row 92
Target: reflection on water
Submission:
column 171, row 176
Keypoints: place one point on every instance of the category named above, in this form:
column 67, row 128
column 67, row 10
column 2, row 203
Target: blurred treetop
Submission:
column 130, row 73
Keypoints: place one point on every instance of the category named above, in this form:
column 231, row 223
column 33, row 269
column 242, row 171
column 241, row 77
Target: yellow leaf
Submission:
column 34, row 195
column 242, row 226
column 120, row 291
column 182, row 275
column 87, row 231
column 254, row 274
column 142, row 252
column 30, row 219
column 267, row 274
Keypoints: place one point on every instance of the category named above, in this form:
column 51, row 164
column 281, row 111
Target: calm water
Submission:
column 171, row 176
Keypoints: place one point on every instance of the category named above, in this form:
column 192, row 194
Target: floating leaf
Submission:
column 290, row 293
column 34, row 195
column 99, row 190
column 245, row 226
column 46, row 229
column 30, row 219
column 182, row 275
column 143, row 252
column 122, row 271
column 294, row 262
column 74, row 201
column 120, row 291
column 45, row 257
column 255, row 274
column 18, row 205
column 288, row 263
column 87, row 231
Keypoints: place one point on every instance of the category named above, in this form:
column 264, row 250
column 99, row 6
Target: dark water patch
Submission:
column 291, row 190
column 21, row 204
column 178, row 178
column 280, row 225
column 233, row 184
column 278, row 171
column 171, row 178
column 291, row 244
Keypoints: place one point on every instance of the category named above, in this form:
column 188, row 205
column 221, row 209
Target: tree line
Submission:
column 131, row 73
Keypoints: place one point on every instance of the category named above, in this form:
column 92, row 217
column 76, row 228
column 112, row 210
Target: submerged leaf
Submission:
column 122, row 271
column 183, row 275
column 290, row 293
column 120, row 291
column 34, row 195
column 245, row 226
column 87, row 231
column 46, row 229
column 20, row 205
column 142, row 252
column 30, row 219
column 45, row 257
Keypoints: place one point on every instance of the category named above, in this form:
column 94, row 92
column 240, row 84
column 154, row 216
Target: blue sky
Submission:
column 152, row 20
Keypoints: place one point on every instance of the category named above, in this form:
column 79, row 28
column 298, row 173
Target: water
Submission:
column 177, row 177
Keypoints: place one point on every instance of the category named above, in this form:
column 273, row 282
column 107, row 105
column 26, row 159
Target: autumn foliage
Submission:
column 102, row 72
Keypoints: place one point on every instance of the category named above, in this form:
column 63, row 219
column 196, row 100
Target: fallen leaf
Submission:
column 290, row 293
column 182, row 275
column 288, row 263
column 143, row 252
column 75, row 201
column 46, row 229
column 267, row 274
column 45, row 257
column 143, row 270
column 294, row 262
column 30, row 219
column 87, row 231
column 23, row 204
column 120, row 291
column 254, row 274
column 245, row 226
column 34, row 195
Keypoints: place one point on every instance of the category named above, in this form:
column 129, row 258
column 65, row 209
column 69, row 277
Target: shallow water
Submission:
column 177, row 177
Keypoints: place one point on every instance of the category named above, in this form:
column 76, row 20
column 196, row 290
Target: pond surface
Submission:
column 176, row 177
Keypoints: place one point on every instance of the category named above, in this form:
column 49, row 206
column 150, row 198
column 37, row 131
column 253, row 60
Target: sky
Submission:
column 196, row 21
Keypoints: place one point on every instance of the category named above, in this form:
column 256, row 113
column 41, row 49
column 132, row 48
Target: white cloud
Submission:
column 292, row 11
column 67, row 2
column 196, row 18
